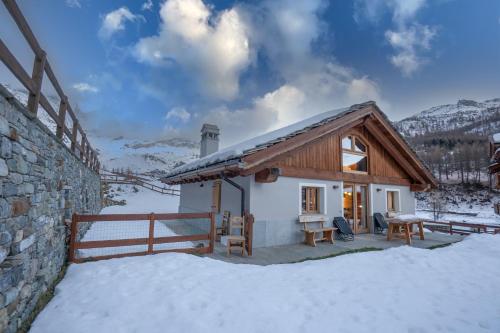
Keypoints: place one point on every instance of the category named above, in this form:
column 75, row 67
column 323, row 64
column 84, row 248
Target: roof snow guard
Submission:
column 234, row 159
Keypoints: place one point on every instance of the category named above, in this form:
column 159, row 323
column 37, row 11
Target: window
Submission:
column 392, row 201
column 216, row 196
column 310, row 200
column 354, row 155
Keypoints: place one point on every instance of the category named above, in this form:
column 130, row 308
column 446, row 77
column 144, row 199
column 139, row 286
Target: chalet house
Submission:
column 494, row 167
column 349, row 162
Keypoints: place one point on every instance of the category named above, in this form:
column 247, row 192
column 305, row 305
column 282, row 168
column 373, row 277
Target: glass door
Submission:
column 349, row 204
column 355, row 200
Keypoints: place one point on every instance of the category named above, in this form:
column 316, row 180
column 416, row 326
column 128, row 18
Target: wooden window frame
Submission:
column 353, row 151
column 397, row 200
column 319, row 193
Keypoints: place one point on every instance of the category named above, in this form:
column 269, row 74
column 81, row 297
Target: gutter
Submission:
column 242, row 190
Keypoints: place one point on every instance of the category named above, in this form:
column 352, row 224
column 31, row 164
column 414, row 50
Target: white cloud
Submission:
column 284, row 32
column 115, row 21
column 409, row 39
column 85, row 87
column 213, row 47
column 407, row 43
column 178, row 113
column 148, row 5
column 73, row 3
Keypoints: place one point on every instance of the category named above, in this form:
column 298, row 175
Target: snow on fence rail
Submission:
column 33, row 83
column 462, row 228
column 97, row 237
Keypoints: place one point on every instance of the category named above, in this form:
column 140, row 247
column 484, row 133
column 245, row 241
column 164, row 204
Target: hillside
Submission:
column 466, row 116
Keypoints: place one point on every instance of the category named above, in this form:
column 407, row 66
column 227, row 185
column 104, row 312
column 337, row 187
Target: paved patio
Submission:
column 298, row 252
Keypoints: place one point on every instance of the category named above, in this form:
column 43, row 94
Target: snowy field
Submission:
column 403, row 289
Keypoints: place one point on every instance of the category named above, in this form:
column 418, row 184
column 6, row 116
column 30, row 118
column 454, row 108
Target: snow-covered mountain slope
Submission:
column 144, row 156
column 158, row 156
column 467, row 115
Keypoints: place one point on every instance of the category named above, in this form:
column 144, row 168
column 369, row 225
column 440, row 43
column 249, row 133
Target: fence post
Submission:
column 249, row 220
column 37, row 77
column 72, row 237
column 151, row 233
column 62, row 118
column 212, row 233
column 74, row 135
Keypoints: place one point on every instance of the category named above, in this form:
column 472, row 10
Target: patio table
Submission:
column 404, row 229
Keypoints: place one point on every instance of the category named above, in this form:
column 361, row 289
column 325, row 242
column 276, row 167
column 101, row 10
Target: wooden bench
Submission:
column 310, row 233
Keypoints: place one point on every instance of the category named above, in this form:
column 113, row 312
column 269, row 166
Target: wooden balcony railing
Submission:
column 33, row 83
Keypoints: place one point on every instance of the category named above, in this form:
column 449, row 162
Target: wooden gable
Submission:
column 323, row 158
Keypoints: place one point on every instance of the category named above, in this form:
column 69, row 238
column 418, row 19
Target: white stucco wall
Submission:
column 379, row 198
column 276, row 207
column 196, row 198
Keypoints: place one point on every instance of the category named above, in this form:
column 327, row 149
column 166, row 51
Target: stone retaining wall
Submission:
column 42, row 183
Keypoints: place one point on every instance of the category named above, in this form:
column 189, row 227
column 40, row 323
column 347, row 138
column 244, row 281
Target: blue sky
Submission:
column 149, row 69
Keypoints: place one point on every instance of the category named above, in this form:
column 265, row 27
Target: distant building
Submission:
column 494, row 167
column 349, row 162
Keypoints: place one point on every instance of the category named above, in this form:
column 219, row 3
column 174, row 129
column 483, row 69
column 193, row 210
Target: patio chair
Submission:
column 344, row 231
column 379, row 223
column 223, row 229
column 236, row 241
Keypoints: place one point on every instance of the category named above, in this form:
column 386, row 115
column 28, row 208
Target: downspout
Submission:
column 242, row 190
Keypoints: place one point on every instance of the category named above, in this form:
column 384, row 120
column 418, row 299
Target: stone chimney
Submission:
column 209, row 139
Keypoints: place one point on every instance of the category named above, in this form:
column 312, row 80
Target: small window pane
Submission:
column 359, row 146
column 347, row 143
column 353, row 162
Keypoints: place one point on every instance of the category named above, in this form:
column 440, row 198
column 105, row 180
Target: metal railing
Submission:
column 33, row 83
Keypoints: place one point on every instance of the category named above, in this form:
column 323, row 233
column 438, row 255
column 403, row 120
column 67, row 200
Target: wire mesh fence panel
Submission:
column 185, row 227
column 117, row 235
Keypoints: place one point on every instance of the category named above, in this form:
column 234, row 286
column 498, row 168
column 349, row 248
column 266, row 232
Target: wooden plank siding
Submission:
column 323, row 160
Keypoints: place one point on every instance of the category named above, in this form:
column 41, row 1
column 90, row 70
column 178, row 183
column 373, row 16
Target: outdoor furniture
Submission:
column 236, row 241
column 379, row 223
column 310, row 234
column 344, row 231
column 222, row 230
column 404, row 229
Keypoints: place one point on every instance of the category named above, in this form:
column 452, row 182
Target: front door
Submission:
column 356, row 207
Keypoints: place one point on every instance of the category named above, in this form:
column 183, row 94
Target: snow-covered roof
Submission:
column 262, row 141
column 496, row 138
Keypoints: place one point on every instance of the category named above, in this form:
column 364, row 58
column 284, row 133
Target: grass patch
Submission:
column 433, row 247
column 363, row 249
column 43, row 300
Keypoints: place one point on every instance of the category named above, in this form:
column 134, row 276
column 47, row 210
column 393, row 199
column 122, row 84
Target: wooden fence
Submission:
column 462, row 228
column 33, row 83
column 150, row 241
column 139, row 181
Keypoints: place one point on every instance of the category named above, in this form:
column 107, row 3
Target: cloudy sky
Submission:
column 147, row 69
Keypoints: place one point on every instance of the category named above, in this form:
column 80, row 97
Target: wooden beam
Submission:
column 268, row 175
column 15, row 67
column 37, row 78
column 74, row 134
column 62, row 117
column 408, row 151
column 395, row 153
column 341, row 176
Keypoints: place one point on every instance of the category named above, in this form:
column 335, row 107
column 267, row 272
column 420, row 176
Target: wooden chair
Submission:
column 223, row 229
column 236, row 241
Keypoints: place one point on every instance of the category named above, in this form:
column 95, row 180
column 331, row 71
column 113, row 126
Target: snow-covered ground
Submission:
column 403, row 289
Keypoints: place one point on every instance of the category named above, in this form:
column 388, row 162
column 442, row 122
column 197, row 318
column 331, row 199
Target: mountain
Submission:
column 155, row 157
column 467, row 116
